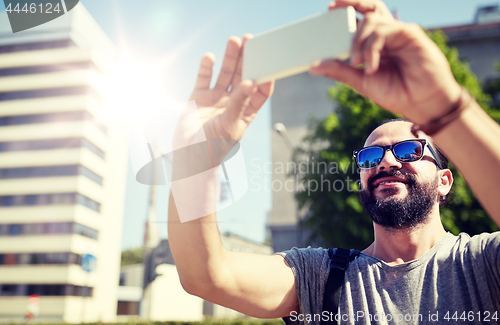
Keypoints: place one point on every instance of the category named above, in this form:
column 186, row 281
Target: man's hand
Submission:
column 404, row 71
column 228, row 108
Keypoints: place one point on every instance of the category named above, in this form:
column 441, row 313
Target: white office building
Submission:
column 62, row 172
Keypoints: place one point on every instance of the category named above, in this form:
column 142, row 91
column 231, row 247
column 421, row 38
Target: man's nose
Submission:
column 389, row 161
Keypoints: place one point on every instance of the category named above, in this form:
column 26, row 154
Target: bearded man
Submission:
column 414, row 270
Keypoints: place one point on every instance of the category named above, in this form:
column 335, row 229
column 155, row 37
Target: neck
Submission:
column 397, row 246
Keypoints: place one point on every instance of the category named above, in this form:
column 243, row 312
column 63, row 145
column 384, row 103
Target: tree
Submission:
column 492, row 88
column 132, row 256
column 335, row 217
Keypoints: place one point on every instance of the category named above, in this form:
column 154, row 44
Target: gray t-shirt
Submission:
column 457, row 282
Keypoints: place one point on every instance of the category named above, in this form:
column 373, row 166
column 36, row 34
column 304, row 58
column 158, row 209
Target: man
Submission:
column 413, row 268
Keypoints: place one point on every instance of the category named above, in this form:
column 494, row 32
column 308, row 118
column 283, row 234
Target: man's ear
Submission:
column 445, row 181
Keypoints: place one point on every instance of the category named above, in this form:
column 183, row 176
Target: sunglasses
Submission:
column 404, row 151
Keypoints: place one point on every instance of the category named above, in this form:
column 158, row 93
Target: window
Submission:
column 45, row 290
column 127, row 308
column 49, row 144
column 33, row 229
column 90, row 175
column 92, row 147
column 23, row 258
column 52, row 118
column 6, row 201
column 40, row 258
column 49, row 199
column 49, row 171
column 10, row 259
column 50, row 92
column 14, row 230
column 89, row 203
column 85, row 231
column 8, row 289
column 36, row 46
column 48, row 68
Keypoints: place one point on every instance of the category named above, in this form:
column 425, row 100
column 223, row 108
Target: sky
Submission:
column 162, row 41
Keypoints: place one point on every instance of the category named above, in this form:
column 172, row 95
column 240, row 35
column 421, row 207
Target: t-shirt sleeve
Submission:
column 485, row 248
column 310, row 267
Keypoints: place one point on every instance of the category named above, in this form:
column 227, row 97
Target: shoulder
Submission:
column 305, row 255
column 484, row 247
column 480, row 241
column 484, row 242
column 308, row 262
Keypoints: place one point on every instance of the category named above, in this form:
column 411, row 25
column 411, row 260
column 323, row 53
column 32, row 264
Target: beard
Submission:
column 399, row 213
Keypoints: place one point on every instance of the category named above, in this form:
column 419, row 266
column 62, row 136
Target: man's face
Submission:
column 395, row 194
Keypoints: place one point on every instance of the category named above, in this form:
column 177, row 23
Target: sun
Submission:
column 135, row 86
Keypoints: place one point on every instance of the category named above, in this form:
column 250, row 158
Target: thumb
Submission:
column 240, row 97
column 340, row 71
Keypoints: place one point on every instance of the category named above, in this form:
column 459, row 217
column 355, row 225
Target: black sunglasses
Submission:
column 404, row 151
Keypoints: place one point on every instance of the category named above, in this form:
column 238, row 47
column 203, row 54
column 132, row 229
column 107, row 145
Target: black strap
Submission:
column 339, row 261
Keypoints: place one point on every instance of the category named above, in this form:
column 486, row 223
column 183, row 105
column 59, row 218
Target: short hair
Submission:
column 441, row 156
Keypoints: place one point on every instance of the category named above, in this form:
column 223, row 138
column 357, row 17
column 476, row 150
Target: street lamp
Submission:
column 281, row 130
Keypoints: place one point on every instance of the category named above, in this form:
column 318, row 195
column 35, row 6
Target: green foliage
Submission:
column 334, row 214
column 492, row 88
column 132, row 256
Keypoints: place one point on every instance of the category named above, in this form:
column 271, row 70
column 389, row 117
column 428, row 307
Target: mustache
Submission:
column 409, row 177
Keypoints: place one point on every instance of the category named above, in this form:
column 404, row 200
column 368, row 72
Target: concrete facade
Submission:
column 62, row 172
column 479, row 45
column 295, row 101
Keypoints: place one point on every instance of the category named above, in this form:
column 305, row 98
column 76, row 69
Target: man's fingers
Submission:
column 229, row 63
column 240, row 97
column 362, row 6
column 205, row 71
column 372, row 52
column 264, row 91
column 340, row 71
column 366, row 27
column 239, row 67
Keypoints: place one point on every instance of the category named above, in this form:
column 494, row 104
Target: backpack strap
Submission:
column 339, row 261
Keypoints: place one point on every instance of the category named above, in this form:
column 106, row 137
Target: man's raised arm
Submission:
column 406, row 73
column 256, row 285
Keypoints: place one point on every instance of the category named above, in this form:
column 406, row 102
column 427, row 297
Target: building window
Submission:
column 49, row 144
column 50, row 92
column 49, row 199
column 90, row 66
column 92, row 147
column 52, row 118
column 89, row 203
column 90, row 174
column 45, row 290
column 36, row 46
column 127, row 308
column 40, row 259
column 85, row 231
column 49, row 171
column 31, row 229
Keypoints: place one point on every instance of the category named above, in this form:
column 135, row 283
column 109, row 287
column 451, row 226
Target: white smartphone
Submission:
column 291, row 49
